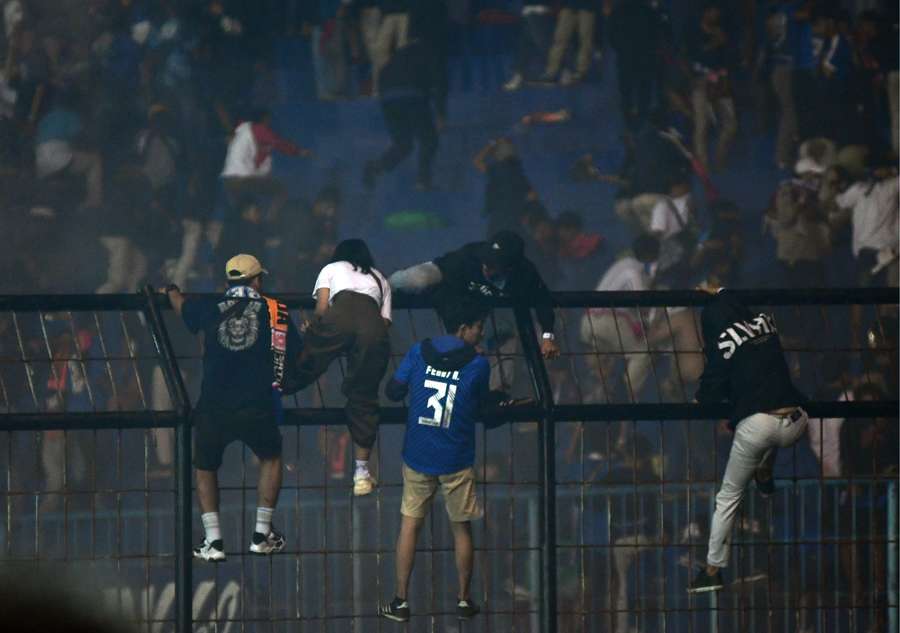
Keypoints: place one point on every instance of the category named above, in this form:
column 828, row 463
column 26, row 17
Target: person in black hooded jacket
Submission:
column 745, row 367
column 496, row 268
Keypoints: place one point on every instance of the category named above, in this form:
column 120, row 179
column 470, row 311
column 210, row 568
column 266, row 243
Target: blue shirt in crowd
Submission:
column 59, row 124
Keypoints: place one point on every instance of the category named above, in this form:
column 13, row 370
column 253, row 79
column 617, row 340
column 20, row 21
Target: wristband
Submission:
column 548, row 336
column 172, row 287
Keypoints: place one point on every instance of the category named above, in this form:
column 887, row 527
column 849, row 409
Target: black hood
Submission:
column 451, row 360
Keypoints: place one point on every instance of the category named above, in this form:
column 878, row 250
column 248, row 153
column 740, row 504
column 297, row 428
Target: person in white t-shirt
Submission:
column 664, row 223
column 610, row 332
column 874, row 205
column 247, row 172
column 353, row 313
column 672, row 223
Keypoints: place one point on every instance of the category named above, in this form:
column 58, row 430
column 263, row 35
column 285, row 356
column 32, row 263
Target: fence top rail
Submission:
column 592, row 299
column 330, row 416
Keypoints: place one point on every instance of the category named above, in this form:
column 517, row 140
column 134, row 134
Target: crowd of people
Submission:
column 143, row 128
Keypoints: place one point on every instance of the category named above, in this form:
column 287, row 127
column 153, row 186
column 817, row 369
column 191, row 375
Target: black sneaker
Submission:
column 466, row 609
column 265, row 544
column 210, row 551
column 703, row 582
column 397, row 610
column 765, row 488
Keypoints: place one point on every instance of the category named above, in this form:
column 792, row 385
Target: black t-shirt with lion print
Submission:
column 237, row 361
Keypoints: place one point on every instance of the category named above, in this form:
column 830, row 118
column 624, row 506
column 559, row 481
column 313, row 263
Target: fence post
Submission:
column 182, row 402
column 546, row 467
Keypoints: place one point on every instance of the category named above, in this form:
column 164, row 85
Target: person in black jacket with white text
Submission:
column 745, row 367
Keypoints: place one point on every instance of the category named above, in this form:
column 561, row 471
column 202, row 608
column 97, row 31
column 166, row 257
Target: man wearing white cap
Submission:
column 247, row 337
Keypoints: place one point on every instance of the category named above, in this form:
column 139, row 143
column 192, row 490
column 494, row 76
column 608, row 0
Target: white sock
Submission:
column 362, row 467
column 264, row 520
column 211, row 526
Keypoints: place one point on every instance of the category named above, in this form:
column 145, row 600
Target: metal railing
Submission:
column 590, row 420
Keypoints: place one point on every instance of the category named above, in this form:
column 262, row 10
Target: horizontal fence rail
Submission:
column 596, row 495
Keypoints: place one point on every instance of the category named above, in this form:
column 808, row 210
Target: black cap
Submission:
column 505, row 250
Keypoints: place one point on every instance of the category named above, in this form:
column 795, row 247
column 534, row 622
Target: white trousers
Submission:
column 756, row 442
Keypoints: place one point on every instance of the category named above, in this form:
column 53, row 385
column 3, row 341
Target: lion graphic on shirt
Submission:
column 239, row 332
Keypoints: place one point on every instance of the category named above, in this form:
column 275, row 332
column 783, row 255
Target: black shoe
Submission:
column 397, row 610
column 765, row 488
column 370, row 174
column 264, row 544
column 703, row 582
column 466, row 609
column 210, row 551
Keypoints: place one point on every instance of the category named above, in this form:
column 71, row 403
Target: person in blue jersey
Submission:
column 447, row 381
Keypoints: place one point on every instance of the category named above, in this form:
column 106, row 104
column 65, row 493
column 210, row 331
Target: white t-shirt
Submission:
column 625, row 274
column 875, row 214
column 662, row 219
column 240, row 161
column 341, row 276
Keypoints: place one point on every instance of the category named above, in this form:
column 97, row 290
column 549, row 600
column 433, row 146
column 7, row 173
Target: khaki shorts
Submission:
column 458, row 488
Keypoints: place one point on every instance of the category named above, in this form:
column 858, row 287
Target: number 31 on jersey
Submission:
column 441, row 403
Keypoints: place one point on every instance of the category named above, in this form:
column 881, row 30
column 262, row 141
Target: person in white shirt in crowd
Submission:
column 672, row 223
column 610, row 332
column 248, row 164
column 353, row 313
column 671, row 215
column 874, row 220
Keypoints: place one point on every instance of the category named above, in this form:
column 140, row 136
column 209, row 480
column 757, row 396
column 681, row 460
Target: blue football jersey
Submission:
column 443, row 409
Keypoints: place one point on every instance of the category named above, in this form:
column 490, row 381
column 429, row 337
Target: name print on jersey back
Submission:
column 757, row 330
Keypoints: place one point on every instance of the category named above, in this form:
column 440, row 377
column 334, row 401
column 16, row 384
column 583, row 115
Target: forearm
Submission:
column 396, row 390
column 176, row 299
column 480, row 159
column 546, row 317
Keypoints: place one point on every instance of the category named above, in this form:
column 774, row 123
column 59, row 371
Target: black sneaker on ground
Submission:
column 397, row 610
column 466, row 609
column 765, row 488
column 703, row 582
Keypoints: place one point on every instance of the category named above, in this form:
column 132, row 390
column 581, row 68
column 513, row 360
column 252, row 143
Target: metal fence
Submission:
column 597, row 497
